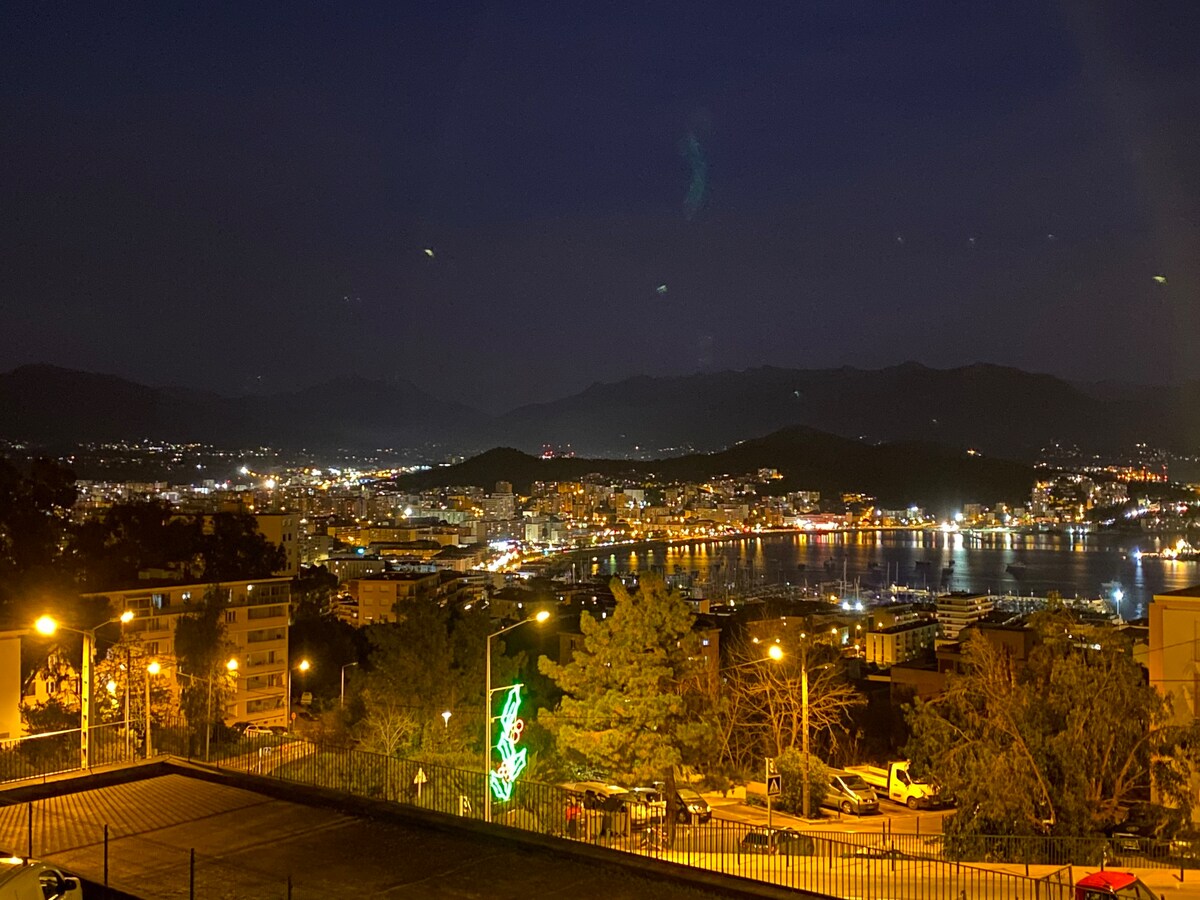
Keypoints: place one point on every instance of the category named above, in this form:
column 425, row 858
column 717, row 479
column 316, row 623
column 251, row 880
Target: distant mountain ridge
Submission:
column 55, row 405
column 998, row 410
column 898, row 474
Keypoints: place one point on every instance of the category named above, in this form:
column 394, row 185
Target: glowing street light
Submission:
column 48, row 625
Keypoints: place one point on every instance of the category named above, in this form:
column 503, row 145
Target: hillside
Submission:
column 898, row 474
column 52, row 405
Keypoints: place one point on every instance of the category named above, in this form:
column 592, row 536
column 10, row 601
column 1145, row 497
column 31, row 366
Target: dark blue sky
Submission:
column 240, row 197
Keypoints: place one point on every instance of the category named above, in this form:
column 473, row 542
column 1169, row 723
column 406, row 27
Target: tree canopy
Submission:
column 633, row 702
column 1059, row 743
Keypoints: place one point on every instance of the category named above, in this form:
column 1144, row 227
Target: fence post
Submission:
column 192, row 874
column 106, row 856
column 289, row 896
column 30, row 805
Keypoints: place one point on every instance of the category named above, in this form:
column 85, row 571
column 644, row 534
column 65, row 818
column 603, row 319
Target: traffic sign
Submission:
column 774, row 785
column 771, row 770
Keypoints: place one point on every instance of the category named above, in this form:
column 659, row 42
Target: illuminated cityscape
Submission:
column 544, row 450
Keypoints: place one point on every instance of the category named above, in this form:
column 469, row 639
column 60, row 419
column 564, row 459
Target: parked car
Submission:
column 692, row 808
column 850, row 794
column 777, row 842
column 655, row 805
column 27, row 879
column 253, row 731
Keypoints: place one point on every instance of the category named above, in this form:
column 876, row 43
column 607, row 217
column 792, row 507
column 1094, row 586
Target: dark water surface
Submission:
column 1074, row 565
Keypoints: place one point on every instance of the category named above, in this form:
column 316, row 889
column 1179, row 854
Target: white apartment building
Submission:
column 256, row 624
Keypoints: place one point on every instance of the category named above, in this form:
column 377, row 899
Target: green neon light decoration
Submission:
column 512, row 761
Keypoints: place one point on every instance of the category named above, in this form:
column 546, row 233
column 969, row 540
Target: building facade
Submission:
column 256, row 627
column 900, row 643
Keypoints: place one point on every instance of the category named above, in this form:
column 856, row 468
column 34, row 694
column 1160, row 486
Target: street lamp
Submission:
column 344, row 668
column 539, row 618
column 152, row 669
column 446, row 718
column 48, row 625
column 304, row 665
column 804, row 716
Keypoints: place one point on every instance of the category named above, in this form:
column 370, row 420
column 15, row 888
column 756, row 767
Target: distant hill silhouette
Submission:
column 54, row 405
column 898, row 474
column 1001, row 411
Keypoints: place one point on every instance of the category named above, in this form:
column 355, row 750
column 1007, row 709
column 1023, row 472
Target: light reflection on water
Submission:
column 1074, row 565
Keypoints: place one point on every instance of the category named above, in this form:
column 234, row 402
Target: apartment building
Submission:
column 956, row 611
column 900, row 643
column 256, row 624
column 376, row 596
column 282, row 529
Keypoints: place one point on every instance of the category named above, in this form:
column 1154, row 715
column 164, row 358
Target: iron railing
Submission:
column 826, row 863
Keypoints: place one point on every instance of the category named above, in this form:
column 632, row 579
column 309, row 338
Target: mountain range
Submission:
column 898, row 474
column 1000, row 411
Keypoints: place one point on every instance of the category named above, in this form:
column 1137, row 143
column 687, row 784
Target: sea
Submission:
column 1083, row 565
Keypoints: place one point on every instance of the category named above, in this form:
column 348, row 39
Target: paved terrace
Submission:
column 249, row 844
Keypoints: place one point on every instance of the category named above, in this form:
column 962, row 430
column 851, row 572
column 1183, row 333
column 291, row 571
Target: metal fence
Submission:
column 52, row 829
column 1126, row 851
column 56, row 752
column 831, row 864
column 901, row 866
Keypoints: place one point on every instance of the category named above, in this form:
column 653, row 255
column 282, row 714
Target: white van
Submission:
column 31, row 880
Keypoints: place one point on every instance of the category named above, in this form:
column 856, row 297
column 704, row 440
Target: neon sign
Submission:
column 512, row 761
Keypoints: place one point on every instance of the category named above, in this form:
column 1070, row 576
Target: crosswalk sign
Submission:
column 773, row 785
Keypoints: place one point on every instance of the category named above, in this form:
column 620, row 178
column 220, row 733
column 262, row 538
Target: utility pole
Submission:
column 804, row 716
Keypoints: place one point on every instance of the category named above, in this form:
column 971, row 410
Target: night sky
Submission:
column 242, row 197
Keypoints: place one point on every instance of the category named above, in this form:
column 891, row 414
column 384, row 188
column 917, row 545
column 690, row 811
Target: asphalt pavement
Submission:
column 891, row 818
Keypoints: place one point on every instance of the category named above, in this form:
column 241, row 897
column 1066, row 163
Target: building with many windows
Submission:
column 900, row 643
column 256, row 627
column 956, row 611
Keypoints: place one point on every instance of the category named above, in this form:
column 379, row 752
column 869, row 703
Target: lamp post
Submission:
column 47, row 625
column 343, row 694
column 304, row 665
column 774, row 654
column 487, row 702
column 804, row 713
column 152, row 669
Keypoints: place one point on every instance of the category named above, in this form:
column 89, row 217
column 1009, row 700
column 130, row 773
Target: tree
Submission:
column 1059, row 744
column 762, row 709
column 125, row 665
column 312, row 593
column 202, row 651
column 428, row 661
column 110, row 548
column 234, row 549
column 633, row 702
column 34, row 506
column 792, row 769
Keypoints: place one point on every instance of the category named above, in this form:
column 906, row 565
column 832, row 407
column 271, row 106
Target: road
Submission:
column 892, row 818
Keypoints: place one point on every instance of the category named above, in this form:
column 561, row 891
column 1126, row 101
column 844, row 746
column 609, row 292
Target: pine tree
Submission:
column 633, row 703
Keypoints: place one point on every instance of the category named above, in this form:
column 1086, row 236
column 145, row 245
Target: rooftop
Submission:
column 250, row 844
